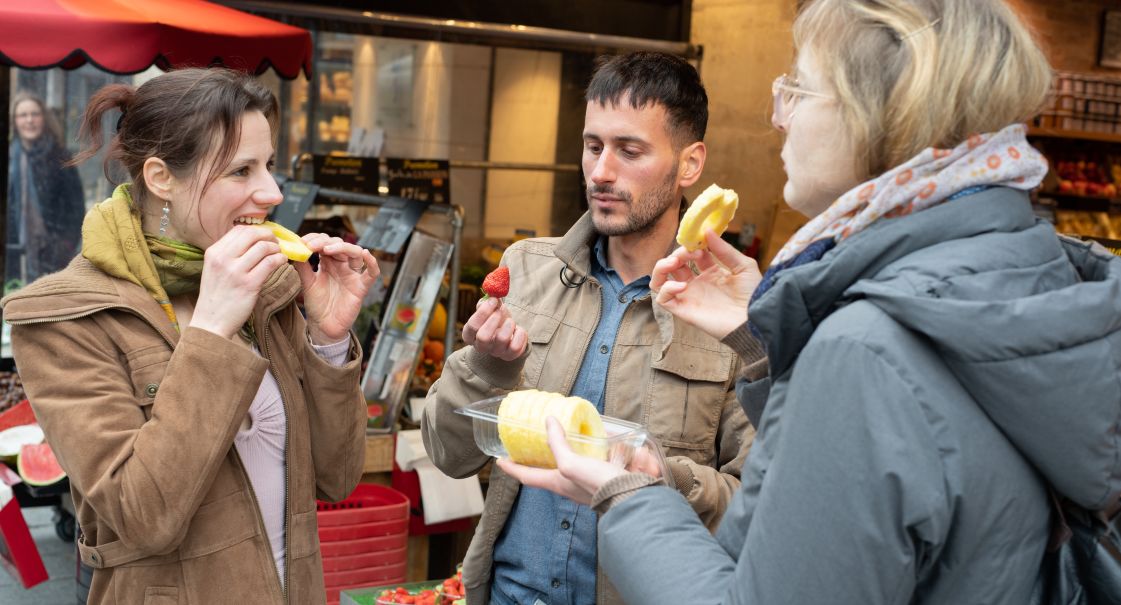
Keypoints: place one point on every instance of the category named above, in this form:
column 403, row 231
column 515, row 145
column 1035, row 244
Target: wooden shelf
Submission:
column 1070, row 201
column 1057, row 133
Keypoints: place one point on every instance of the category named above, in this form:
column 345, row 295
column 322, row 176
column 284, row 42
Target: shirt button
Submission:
column 565, row 524
column 622, row 297
column 556, row 583
column 603, row 349
column 151, row 389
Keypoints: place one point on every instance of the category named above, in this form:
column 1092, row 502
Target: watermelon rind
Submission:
column 11, row 440
column 38, row 466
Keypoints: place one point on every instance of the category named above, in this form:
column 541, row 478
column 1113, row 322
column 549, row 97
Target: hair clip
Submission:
column 921, row 29
column 120, row 119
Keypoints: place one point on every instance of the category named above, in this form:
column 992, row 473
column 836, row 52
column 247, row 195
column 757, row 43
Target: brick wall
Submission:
column 1070, row 31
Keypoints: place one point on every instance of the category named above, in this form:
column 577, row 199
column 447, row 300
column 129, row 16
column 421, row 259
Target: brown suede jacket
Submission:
column 665, row 374
column 142, row 419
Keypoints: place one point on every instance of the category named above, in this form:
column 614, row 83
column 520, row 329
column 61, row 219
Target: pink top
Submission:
column 261, row 447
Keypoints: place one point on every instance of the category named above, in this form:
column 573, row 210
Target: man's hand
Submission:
column 492, row 330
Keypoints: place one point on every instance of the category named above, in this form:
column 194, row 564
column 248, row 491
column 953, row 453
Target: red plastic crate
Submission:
column 365, row 560
column 368, row 503
column 370, row 576
column 342, row 548
column 366, row 530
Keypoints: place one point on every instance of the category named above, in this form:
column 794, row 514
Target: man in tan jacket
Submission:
column 579, row 320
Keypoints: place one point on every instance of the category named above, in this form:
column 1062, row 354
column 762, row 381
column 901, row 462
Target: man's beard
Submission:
column 644, row 214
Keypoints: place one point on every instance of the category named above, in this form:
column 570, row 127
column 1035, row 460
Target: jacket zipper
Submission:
column 287, row 467
column 237, row 457
column 260, row 521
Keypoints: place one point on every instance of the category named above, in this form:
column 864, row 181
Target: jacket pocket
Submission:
column 220, row 524
column 686, row 399
column 147, row 366
column 303, row 535
column 540, row 333
column 161, row 595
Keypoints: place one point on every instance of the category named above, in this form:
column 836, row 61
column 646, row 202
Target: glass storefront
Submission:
column 474, row 105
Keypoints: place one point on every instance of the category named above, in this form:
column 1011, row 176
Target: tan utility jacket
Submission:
column 668, row 376
column 143, row 420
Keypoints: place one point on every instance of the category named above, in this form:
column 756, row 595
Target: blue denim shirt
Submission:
column 547, row 551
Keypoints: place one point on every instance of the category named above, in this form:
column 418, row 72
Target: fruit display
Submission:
column 1093, row 224
column 404, row 595
column 497, row 283
column 290, row 244
column 11, row 390
column 712, row 209
column 1088, row 178
column 430, row 366
column 38, row 466
column 451, row 590
column 13, row 439
column 521, row 426
column 17, row 415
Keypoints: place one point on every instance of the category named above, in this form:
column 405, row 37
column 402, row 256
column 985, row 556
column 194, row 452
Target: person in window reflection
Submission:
column 196, row 408
column 937, row 355
column 45, row 205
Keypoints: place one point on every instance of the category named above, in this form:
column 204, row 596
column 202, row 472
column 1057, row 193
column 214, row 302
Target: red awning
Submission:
column 128, row 36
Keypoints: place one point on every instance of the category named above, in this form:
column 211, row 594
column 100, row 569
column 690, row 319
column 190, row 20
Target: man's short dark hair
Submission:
column 652, row 77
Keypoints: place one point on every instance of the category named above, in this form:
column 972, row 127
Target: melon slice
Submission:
column 17, row 415
column 37, row 465
column 11, row 440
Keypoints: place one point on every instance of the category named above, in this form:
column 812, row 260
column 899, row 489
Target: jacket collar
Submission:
column 575, row 251
column 81, row 289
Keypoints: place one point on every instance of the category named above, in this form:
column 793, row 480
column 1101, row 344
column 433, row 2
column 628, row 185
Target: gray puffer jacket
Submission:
column 929, row 375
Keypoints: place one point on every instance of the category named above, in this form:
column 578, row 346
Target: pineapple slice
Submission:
column 713, row 209
column 290, row 244
column 521, row 426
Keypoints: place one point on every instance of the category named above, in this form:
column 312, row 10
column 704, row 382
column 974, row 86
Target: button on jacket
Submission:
column 143, row 420
column 670, row 377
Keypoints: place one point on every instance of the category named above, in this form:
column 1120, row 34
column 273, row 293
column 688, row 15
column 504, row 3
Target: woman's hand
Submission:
column 576, row 477
column 234, row 269
column 333, row 295
column 715, row 299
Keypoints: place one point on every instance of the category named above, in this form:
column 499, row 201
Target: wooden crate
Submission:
column 379, row 453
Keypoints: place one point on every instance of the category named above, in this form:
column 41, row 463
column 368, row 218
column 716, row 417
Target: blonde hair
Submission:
column 912, row 74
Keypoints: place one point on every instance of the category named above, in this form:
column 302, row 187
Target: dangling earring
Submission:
column 165, row 220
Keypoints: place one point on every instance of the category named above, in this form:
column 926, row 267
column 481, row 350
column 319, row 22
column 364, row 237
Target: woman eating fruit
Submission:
column 196, row 410
column 938, row 358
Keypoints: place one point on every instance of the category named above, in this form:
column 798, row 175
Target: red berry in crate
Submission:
column 497, row 283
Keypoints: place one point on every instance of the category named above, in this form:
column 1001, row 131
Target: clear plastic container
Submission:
column 625, row 441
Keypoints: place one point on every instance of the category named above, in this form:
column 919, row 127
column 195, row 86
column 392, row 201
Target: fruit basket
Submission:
column 623, row 442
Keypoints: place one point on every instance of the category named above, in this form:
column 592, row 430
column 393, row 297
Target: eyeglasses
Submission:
column 787, row 92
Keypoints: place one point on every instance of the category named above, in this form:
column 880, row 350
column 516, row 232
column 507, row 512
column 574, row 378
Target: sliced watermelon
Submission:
column 37, row 465
column 17, row 415
column 18, row 436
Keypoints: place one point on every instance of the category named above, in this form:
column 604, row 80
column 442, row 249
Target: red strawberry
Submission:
column 497, row 283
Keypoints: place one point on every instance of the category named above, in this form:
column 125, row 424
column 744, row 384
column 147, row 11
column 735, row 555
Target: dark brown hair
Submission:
column 648, row 78
column 178, row 117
